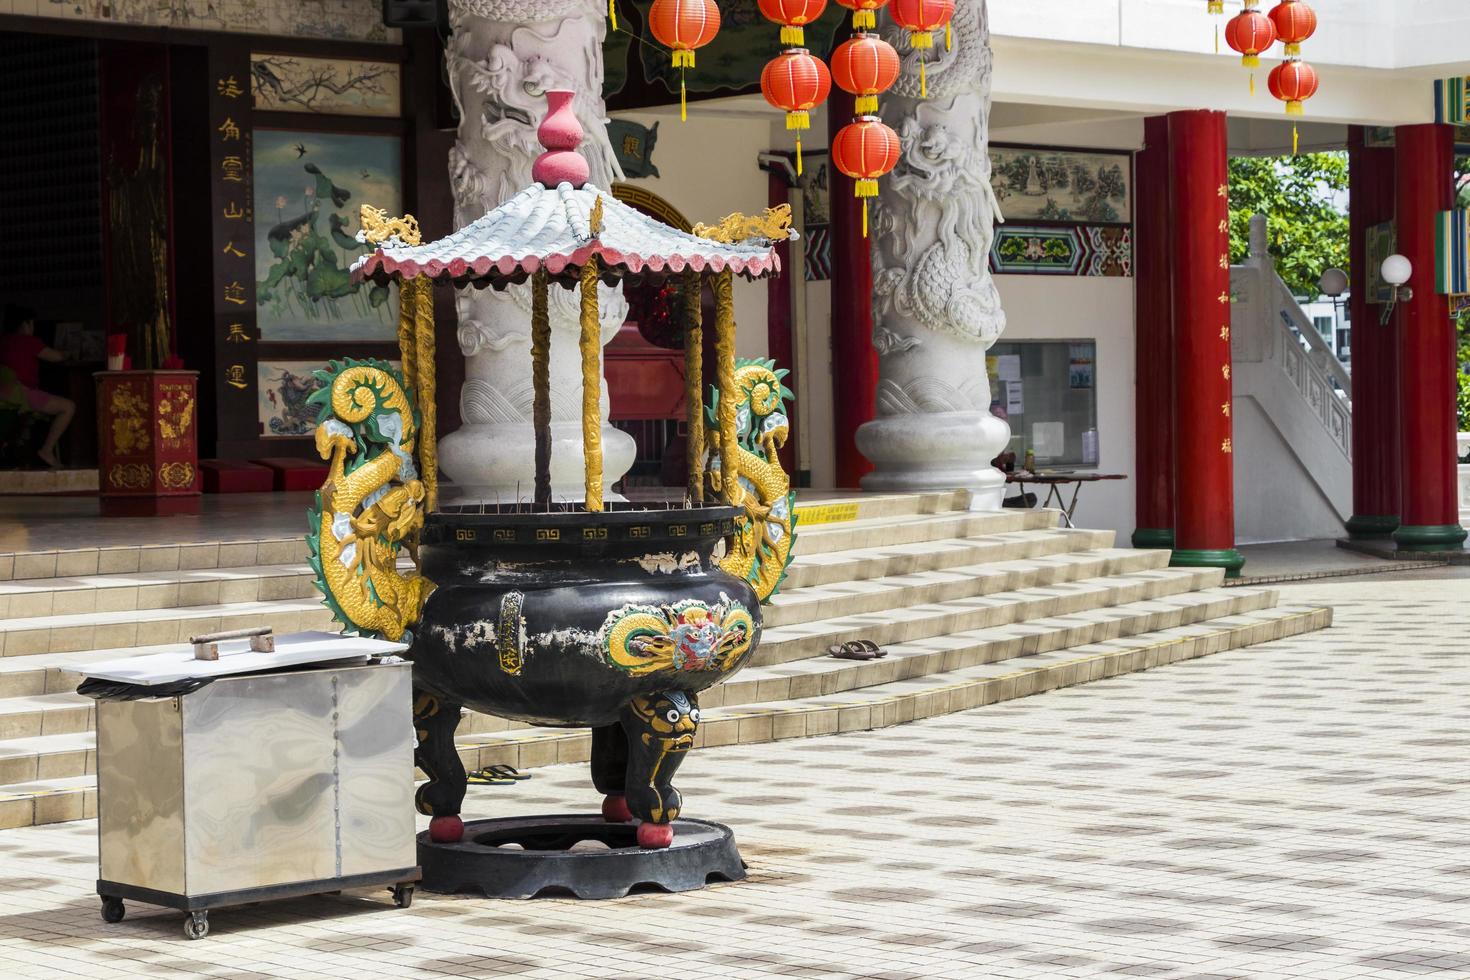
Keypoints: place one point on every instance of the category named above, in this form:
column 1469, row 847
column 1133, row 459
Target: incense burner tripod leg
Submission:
column 442, row 797
column 660, row 730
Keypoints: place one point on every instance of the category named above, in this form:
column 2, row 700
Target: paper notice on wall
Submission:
column 1008, row 367
column 1015, row 398
column 1048, row 439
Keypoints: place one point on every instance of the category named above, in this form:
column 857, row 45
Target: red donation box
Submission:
column 148, row 433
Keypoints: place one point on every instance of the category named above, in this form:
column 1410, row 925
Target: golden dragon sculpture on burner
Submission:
column 373, row 501
column 761, row 550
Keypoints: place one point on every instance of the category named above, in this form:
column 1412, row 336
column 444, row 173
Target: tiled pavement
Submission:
column 1295, row 809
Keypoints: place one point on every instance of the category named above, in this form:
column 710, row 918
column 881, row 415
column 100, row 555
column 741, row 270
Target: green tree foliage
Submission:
column 1301, row 197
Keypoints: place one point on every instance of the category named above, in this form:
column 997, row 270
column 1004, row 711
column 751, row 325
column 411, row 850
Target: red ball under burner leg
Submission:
column 446, row 830
column 615, row 808
column 655, row 835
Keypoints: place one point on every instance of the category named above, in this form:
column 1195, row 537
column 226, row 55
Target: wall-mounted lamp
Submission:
column 1333, row 283
column 1396, row 271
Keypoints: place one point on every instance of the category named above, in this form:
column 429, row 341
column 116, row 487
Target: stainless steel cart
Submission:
column 260, row 774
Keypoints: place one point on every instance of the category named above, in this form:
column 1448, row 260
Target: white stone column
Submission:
column 502, row 57
column 935, row 306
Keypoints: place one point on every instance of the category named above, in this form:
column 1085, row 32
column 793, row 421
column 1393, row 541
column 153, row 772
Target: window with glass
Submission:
column 1047, row 391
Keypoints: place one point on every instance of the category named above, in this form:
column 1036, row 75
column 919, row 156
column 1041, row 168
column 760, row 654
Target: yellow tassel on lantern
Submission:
column 798, row 119
column 863, row 19
column 1296, row 139
column 865, row 105
column 612, row 13
column 793, row 36
column 683, row 102
column 1217, row 38
column 865, row 217
column 923, row 82
column 1216, row 6
column 798, row 154
column 684, row 58
column 920, row 40
column 1253, row 83
column 946, row 37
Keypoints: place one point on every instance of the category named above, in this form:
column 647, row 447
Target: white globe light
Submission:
column 1334, row 283
column 1397, row 270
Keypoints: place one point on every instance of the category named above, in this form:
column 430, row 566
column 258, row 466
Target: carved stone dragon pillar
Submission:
column 502, row 57
column 935, row 306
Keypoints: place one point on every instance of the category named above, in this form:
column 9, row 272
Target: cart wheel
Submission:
column 403, row 895
column 112, row 909
column 196, row 926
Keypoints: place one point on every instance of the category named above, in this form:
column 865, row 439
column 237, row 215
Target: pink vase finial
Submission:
column 561, row 134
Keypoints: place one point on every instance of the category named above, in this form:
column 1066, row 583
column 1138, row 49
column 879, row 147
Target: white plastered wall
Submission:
column 1097, row 308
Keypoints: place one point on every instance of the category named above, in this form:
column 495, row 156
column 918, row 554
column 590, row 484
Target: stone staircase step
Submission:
column 907, row 529
column 152, row 557
column 842, row 508
column 178, row 588
column 48, row 801
column 909, row 699
column 25, row 760
column 147, row 627
column 927, row 556
column 827, row 675
column 45, row 714
column 916, row 588
column 995, row 607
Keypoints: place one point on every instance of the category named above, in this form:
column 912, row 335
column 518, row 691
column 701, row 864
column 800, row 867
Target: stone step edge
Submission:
column 774, row 651
column 858, row 674
column 829, row 538
column 861, row 563
column 75, row 798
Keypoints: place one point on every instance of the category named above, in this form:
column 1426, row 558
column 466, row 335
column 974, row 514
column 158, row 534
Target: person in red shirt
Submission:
column 22, row 352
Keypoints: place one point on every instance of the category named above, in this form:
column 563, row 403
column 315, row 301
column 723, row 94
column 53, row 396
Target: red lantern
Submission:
column 796, row 82
column 1293, row 82
column 684, row 25
column 865, row 150
column 792, row 15
column 920, row 17
column 1250, row 32
column 862, row 12
column 1294, row 22
column 865, row 65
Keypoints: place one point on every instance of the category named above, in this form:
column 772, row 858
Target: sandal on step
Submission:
column 505, row 771
column 872, row 648
column 487, row 777
column 851, row 650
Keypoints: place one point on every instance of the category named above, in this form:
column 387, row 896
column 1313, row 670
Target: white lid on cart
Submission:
column 236, row 657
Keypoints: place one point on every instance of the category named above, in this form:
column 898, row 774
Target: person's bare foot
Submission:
column 48, row 456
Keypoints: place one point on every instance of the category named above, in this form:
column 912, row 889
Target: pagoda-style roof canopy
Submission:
column 558, row 229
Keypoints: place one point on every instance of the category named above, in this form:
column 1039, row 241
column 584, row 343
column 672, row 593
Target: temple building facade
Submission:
column 1046, row 277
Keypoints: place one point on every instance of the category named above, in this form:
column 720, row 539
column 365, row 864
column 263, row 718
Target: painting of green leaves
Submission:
column 309, row 188
column 1036, row 183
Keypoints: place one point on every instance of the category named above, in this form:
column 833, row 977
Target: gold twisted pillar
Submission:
column 591, row 348
column 725, row 370
column 423, row 383
column 541, row 385
column 694, row 382
column 416, row 353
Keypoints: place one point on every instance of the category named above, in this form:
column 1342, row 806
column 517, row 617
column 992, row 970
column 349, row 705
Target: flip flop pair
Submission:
column 497, row 775
column 857, row 650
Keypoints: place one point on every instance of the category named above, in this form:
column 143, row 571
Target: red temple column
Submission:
column 854, row 362
column 1430, row 512
column 1153, row 343
column 1204, row 473
column 1375, row 361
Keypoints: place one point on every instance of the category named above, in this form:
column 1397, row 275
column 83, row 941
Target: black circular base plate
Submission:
column 547, row 858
